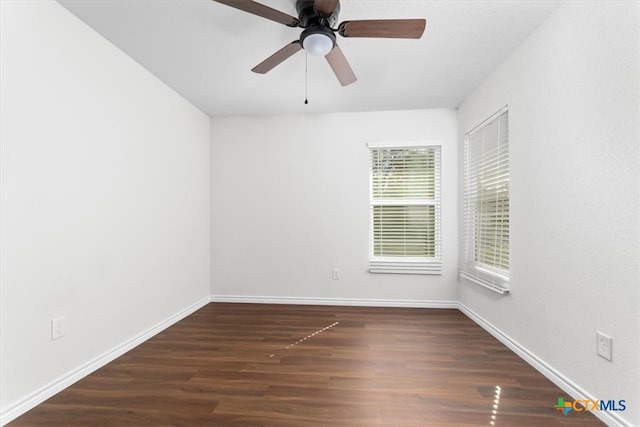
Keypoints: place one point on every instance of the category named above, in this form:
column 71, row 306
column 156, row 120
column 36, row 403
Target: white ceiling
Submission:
column 205, row 50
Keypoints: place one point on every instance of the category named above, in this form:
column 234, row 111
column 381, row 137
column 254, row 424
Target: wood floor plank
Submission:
column 311, row 366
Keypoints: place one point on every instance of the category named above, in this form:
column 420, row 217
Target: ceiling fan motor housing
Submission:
column 309, row 17
column 317, row 27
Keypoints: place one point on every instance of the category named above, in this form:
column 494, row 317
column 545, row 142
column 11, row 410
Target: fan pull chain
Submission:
column 306, row 99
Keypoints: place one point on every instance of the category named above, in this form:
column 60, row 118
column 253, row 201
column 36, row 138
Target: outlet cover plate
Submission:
column 604, row 344
column 57, row 328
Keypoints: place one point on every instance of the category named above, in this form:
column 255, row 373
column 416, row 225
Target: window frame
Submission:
column 407, row 264
column 491, row 276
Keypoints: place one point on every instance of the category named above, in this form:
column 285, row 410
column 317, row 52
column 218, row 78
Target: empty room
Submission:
column 319, row 213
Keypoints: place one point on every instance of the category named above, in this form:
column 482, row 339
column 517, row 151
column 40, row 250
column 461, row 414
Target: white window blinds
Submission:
column 405, row 209
column 485, row 246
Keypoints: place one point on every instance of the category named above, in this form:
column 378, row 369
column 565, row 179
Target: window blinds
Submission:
column 485, row 249
column 405, row 210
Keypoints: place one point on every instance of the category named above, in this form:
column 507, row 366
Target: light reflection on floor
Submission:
column 496, row 405
column 300, row 341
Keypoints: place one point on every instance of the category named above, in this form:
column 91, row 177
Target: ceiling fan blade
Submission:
column 341, row 66
column 325, row 7
column 262, row 11
column 384, row 28
column 277, row 58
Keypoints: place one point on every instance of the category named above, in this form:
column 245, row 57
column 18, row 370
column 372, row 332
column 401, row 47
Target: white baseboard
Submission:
column 357, row 302
column 572, row 389
column 56, row 386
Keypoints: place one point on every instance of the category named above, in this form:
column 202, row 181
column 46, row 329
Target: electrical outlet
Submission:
column 57, row 328
column 604, row 344
column 335, row 274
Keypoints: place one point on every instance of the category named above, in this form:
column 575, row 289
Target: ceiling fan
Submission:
column 317, row 18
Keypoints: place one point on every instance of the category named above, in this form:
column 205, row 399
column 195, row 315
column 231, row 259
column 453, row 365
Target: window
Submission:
column 485, row 247
column 405, row 209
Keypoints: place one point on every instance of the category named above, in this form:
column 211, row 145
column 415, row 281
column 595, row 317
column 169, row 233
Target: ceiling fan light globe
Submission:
column 317, row 44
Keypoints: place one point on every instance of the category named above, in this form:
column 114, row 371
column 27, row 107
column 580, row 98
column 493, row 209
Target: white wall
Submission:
column 290, row 201
column 573, row 90
column 105, row 198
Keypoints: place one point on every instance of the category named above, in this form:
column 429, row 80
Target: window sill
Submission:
column 491, row 286
column 406, row 267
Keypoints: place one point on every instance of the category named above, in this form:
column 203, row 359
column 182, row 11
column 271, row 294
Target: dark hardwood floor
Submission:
column 284, row 365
